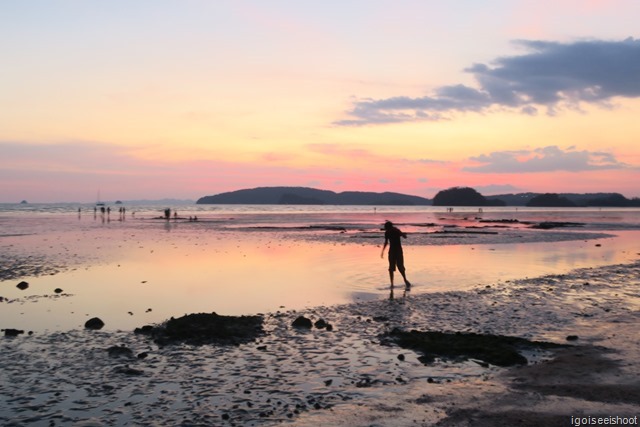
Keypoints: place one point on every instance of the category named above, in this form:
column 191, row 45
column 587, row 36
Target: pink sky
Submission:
column 182, row 100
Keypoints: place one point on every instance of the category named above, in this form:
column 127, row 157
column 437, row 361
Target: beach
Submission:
column 575, row 284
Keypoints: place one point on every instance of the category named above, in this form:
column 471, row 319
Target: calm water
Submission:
column 136, row 268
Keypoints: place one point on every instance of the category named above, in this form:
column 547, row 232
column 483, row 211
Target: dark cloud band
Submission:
column 550, row 75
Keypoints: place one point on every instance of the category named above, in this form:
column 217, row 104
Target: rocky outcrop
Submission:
column 205, row 328
column 492, row 349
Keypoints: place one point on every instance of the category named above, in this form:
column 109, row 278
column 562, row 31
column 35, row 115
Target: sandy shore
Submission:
column 346, row 376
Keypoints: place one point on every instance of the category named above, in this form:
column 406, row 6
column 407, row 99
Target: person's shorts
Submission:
column 396, row 259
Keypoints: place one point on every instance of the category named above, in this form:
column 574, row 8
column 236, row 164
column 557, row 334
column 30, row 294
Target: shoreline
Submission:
column 346, row 377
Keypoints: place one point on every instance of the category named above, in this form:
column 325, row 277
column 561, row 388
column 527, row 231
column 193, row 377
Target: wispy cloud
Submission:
column 546, row 159
column 550, row 75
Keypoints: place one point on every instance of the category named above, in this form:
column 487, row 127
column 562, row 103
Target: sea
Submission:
column 132, row 266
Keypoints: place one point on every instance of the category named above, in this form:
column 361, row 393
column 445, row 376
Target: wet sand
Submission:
column 63, row 374
column 346, row 376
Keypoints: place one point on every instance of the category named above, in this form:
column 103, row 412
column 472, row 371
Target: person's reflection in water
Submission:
column 392, row 237
column 405, row 293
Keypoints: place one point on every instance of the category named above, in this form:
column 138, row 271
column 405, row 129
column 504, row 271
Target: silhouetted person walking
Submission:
column 392, row 237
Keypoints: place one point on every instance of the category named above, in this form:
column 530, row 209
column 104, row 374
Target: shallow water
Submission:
column 137, row 269
column 142, row 270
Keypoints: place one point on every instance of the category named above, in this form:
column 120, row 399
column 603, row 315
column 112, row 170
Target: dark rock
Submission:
column 22, row 285
column 328, row 382
column 12, row 332
column 401, row 357
column 329, row 327
column 381, row 319
column 302, row 322
column 494, row 349
column 320, row 324
column 206, row 328
column 57, row 290
column 120, row 351
column 143, row 355
column 145, row 330
column 94, row 323
column 572, row 338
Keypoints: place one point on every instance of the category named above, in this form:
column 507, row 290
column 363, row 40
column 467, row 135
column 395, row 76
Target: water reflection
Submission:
column 159, row 269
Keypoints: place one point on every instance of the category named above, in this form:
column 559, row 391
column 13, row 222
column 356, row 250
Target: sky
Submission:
column 156, row 99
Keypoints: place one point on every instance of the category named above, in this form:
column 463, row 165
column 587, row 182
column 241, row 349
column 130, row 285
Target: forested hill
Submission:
column 310, row 196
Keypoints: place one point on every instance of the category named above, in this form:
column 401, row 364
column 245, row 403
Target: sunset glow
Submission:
column 168, row 99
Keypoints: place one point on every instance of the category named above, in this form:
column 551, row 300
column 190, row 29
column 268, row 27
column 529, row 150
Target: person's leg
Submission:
column 392, row 266
column 401, row 269
column 404, row 276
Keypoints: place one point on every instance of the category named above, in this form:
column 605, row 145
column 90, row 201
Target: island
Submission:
column 312, row 196
column 455, row 196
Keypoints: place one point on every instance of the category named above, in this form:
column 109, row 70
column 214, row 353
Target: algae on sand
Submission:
column 494, row 349
column 206, row 328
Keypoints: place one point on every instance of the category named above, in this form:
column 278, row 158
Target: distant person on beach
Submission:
column 392, row 237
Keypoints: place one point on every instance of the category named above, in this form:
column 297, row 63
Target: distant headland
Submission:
column 311, row 196
column 456, row 196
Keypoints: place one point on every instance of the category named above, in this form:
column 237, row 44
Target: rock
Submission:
column 320, row 324
column 145, row 330
column 12, row 332
column 572, row 338
column 22, row 285
column 401, row 357
column 302, row 322
column 94, row 323
column 57, row 290
column 120, row 351
column 143, row 355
